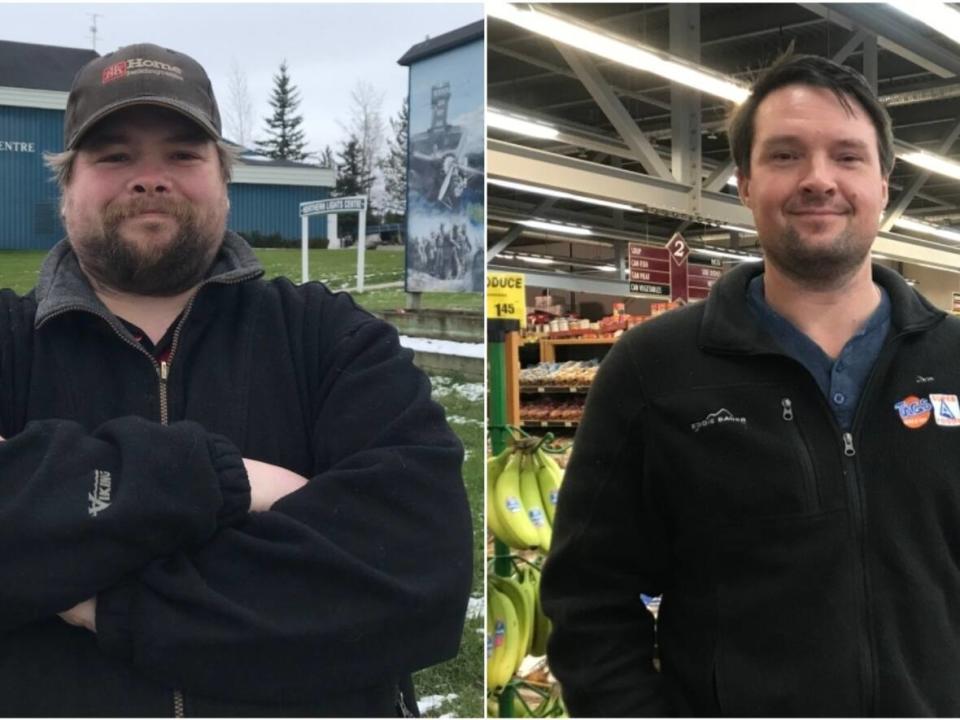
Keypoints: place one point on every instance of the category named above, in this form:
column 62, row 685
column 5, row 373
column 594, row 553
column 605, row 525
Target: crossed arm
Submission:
column 340, row 578
column 268, row 483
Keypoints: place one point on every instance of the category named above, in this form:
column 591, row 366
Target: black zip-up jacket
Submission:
column 804, row 570
column 122, row 479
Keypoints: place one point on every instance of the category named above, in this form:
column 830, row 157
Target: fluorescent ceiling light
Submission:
column 933, row 163
column 522, row 126
column 556, row 227
column 618, row 51
column 534, row 260
column 728, row 255
column 732, row 180
column 908, row 224
column 607, row 268
column 737, row 228
column 559, row 194
column 937, row 15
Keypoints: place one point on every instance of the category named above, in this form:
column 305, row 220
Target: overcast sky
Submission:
column 328, row 47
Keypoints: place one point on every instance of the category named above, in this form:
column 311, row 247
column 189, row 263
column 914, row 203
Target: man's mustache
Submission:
column 121, row 210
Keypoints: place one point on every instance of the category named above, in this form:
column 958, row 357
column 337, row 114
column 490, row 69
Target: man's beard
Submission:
column 817, row 267
column 172, row 267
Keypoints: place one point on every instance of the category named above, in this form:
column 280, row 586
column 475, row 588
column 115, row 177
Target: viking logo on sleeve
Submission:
column 99, row 499
column 946, row 410
column 914, row 412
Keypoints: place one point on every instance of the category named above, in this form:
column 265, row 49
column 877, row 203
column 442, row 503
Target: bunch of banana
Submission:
column 516, row 625
column 551, row 706
column 522, row 487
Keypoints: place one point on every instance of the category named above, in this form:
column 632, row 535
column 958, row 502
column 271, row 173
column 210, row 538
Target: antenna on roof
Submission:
column 93, row 28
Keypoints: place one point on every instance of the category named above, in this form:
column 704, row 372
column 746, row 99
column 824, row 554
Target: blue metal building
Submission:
column 34, row 84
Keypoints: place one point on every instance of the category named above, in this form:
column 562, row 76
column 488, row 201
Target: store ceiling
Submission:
column 918, row 76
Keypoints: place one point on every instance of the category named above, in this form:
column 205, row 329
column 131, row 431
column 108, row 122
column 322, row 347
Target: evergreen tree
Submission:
column 351, row 177
column 352, row 180
column 394, row 164
column 285, row 139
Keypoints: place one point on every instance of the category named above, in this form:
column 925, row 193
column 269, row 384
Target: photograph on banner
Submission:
column 445, row 221
column 737, row 231
column 261, row 460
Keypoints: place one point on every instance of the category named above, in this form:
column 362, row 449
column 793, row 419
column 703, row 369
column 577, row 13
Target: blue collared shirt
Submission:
column 841, row 380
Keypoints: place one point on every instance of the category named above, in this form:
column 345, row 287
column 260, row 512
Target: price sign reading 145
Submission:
column 506, row 299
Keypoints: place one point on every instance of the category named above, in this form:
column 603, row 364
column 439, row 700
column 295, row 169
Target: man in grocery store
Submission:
column 779, row 462
column 220, row 495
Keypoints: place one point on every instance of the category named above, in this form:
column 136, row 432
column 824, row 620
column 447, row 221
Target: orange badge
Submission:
column 914, row 412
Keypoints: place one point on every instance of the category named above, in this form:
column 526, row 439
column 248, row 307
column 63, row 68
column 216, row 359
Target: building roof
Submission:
column 442, row 43
column 40, row 67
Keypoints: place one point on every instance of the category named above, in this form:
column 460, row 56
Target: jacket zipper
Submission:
column 855, row 498
column 163, row 373
column 402, row 705
column 811, row 489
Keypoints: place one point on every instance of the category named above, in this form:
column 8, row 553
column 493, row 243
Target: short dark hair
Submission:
column 845, row 82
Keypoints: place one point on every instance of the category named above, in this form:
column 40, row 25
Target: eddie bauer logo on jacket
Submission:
column 99, row 499
column 716, row 418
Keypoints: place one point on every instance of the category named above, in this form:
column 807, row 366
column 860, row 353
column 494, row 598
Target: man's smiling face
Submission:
column 146, row 206
column 815, row 185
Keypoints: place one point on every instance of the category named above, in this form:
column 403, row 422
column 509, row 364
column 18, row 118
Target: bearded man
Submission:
column 220, row 495
column 779, row 463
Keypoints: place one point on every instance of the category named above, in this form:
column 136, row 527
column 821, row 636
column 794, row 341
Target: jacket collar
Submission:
column 729, row 326
column 62, row 286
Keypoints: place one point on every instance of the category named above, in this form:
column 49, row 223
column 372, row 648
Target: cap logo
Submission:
column 139, row 66
column 114, row 72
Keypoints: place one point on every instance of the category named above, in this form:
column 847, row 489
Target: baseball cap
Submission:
column 142, row 74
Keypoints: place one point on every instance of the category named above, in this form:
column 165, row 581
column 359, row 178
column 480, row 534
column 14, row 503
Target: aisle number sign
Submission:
column 506, row 296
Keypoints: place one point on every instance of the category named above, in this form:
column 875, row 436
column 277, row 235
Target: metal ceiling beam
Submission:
column 685, row 141
column 851, row 45
column 514, row 231
column 903, row 202
column 718, row 178
column 669, row 198
column 664, row 197
column 893, row 36
column 601, row 91
column 560, row 70
column 870, row 61
column 569, row 282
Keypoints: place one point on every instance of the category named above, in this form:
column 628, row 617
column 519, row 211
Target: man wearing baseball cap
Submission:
column 220, row 495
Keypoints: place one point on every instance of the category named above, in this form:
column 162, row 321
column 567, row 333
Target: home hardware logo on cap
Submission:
column 139, row 66
column 914, row 412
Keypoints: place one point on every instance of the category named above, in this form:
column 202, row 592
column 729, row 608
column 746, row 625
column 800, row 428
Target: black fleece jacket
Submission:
column 123, row 480
column 804, row 571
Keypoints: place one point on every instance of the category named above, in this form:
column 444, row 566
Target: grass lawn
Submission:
column 336, row 268
column 463, row 676
column 454, row 688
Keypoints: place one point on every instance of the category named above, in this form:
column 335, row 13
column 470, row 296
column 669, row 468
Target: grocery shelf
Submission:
column 548, row 346
column 545, row 389
column 550, row 423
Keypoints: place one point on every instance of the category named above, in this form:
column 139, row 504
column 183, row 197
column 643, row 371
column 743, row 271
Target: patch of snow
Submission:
column 460, row 420
column 443, row 347
column 475, row 607
column 443, row 386
column 431, row 702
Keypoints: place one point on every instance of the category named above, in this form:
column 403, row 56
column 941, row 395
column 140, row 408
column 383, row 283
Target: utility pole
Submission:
column 93, row 28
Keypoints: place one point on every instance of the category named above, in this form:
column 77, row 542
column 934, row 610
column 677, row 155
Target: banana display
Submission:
column 516, row 625
column 522, row 486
